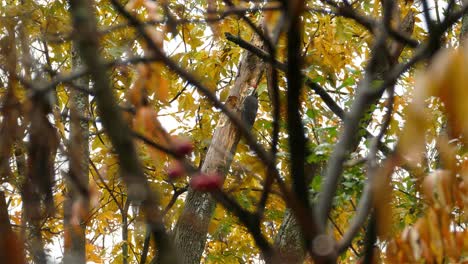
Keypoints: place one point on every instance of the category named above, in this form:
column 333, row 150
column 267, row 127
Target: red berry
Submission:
column 183, row 146
column 205, row 182
column 175, row 170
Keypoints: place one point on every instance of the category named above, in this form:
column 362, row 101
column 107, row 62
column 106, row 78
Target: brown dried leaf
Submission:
column 157, row 36
column 438, row 189
column 412, row 140
column 135, row 95
column 448, row 75
column 157, row 84
column 147, row 123
column 435, row 244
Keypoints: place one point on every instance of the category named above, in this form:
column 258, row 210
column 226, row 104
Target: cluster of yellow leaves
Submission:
column 438, row 236
column 332, row 44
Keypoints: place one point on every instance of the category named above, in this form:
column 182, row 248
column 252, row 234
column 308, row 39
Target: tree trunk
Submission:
column 464, row 27
column 11, row 133
column 77, row 182
column 119, row 133
column 11, row 250
column 125, row 232
column 32, row 233
column 289, row 239
column 191, row 230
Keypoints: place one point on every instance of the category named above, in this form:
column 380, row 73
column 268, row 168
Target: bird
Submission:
column 249, row 109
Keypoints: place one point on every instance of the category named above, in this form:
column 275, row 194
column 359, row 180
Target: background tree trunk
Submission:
column 191, row 230
column 77, row 182
column 288, row 240
column 464, row 27
column 11, row 251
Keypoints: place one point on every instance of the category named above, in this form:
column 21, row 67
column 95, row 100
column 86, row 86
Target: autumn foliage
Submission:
column 122, row 137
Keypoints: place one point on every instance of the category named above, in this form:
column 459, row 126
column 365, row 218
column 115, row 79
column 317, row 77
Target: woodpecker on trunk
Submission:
column 249, row 109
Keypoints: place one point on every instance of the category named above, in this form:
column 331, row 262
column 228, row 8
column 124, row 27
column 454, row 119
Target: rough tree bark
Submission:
column 191, row 230
column 288, row 241
column 77, row 182
column 12, row 135
column 32, row 228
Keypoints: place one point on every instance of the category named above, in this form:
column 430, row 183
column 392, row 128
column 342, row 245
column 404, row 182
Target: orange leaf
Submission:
column 147, row 123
